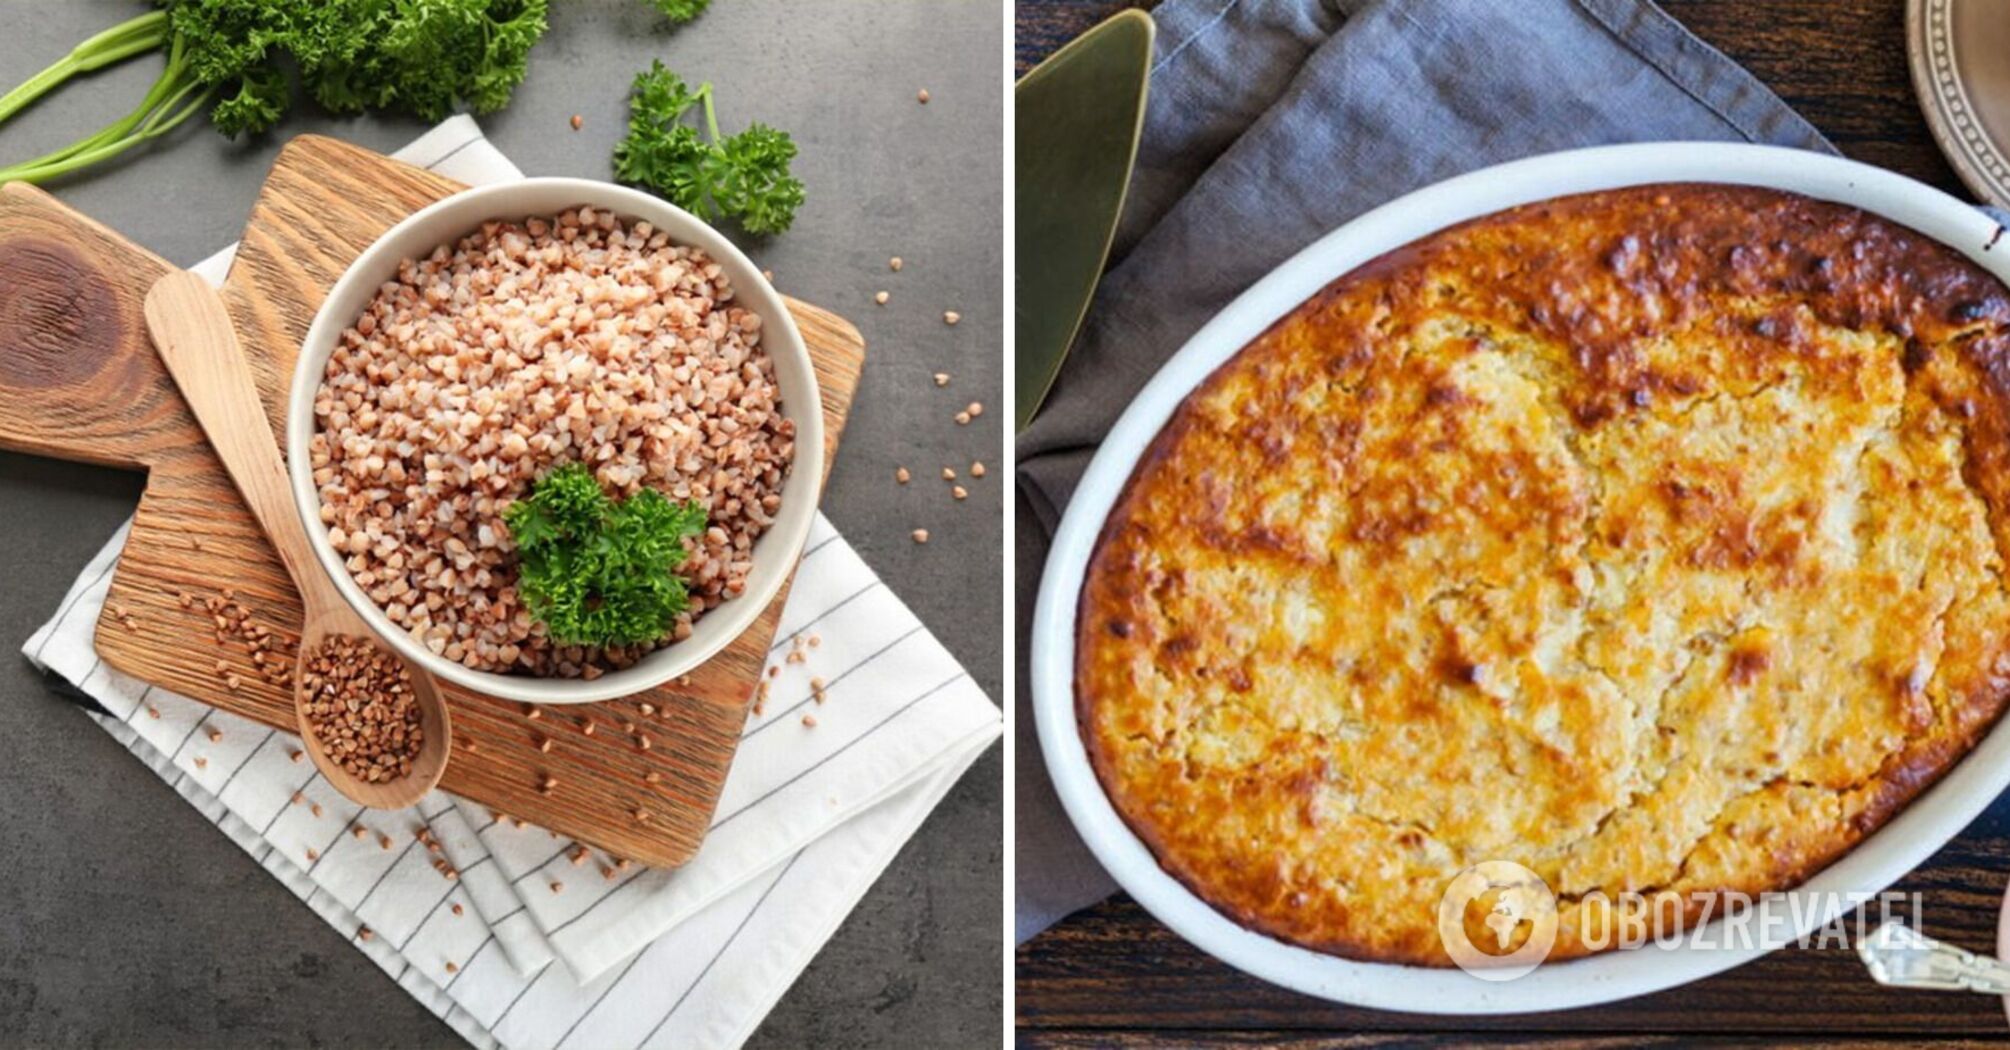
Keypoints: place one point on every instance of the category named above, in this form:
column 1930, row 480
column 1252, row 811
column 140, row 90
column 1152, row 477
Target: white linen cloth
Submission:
column 693, row 957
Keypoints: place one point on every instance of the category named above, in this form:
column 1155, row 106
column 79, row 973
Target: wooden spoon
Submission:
column 193, row 334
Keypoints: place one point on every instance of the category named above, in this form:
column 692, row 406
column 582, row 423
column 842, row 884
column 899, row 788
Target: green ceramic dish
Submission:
column 1078, row 118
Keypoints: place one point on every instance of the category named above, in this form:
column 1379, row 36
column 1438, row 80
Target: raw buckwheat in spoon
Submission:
column 358, row 700
column 375, row 726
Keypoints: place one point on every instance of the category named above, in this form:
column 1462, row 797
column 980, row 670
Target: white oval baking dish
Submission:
column 1877, row 862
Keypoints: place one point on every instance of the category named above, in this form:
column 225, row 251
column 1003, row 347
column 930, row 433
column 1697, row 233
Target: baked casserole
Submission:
column 1649, row 538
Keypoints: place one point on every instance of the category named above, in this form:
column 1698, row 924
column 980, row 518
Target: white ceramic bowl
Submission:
column 448, row 220
column 1877, row 862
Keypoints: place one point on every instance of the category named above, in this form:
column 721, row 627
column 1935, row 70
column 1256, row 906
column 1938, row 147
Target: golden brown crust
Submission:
column 1649, row 538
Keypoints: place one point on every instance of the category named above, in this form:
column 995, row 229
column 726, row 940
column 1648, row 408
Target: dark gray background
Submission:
column 125, row 919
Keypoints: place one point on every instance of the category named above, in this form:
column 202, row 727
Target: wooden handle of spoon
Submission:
column 192, row 331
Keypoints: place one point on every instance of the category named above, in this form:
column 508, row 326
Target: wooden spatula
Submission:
column 192, row 331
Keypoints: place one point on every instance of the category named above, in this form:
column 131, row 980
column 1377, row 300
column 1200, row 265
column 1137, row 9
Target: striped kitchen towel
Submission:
column 525, row 949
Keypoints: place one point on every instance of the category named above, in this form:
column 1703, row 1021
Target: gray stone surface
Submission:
column 127, row 920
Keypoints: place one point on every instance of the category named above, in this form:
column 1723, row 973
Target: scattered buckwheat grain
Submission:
column 880, row 298
column 577, row 121
column 920, row 535
column 959, row 492
column 976, row 470
column 894, row 264
column 901, row 475
column 951, row 317
column 921, row 96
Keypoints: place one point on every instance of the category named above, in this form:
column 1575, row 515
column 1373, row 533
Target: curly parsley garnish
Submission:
column 743, row 177
column 423, row 57
column 680, row 11
column 599, row 571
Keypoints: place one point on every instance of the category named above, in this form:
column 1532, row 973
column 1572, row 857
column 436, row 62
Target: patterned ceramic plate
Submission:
column 1960, row 54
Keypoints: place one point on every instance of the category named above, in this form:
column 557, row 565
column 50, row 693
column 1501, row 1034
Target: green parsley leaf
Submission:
column 597, row 571
column 680, row 11
column 749, row 176
column 258, row 104
column 234, row 59
column 424, row 57
column 744, row 177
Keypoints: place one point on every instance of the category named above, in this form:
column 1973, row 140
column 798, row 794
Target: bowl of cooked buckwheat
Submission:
column 557, row 440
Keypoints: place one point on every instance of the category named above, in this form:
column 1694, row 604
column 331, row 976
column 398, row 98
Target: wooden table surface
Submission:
column 1112, row 976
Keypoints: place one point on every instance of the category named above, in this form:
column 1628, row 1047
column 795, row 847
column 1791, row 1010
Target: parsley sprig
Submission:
column 599, row 571
column 743, row 177
column 423, row 57
column 680, row 11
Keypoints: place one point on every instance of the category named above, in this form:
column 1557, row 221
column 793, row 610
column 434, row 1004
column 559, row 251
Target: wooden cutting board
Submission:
column 79, row 380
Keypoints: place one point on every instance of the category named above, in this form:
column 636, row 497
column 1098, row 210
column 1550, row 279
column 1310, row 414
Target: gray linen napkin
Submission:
column 1273, row 121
